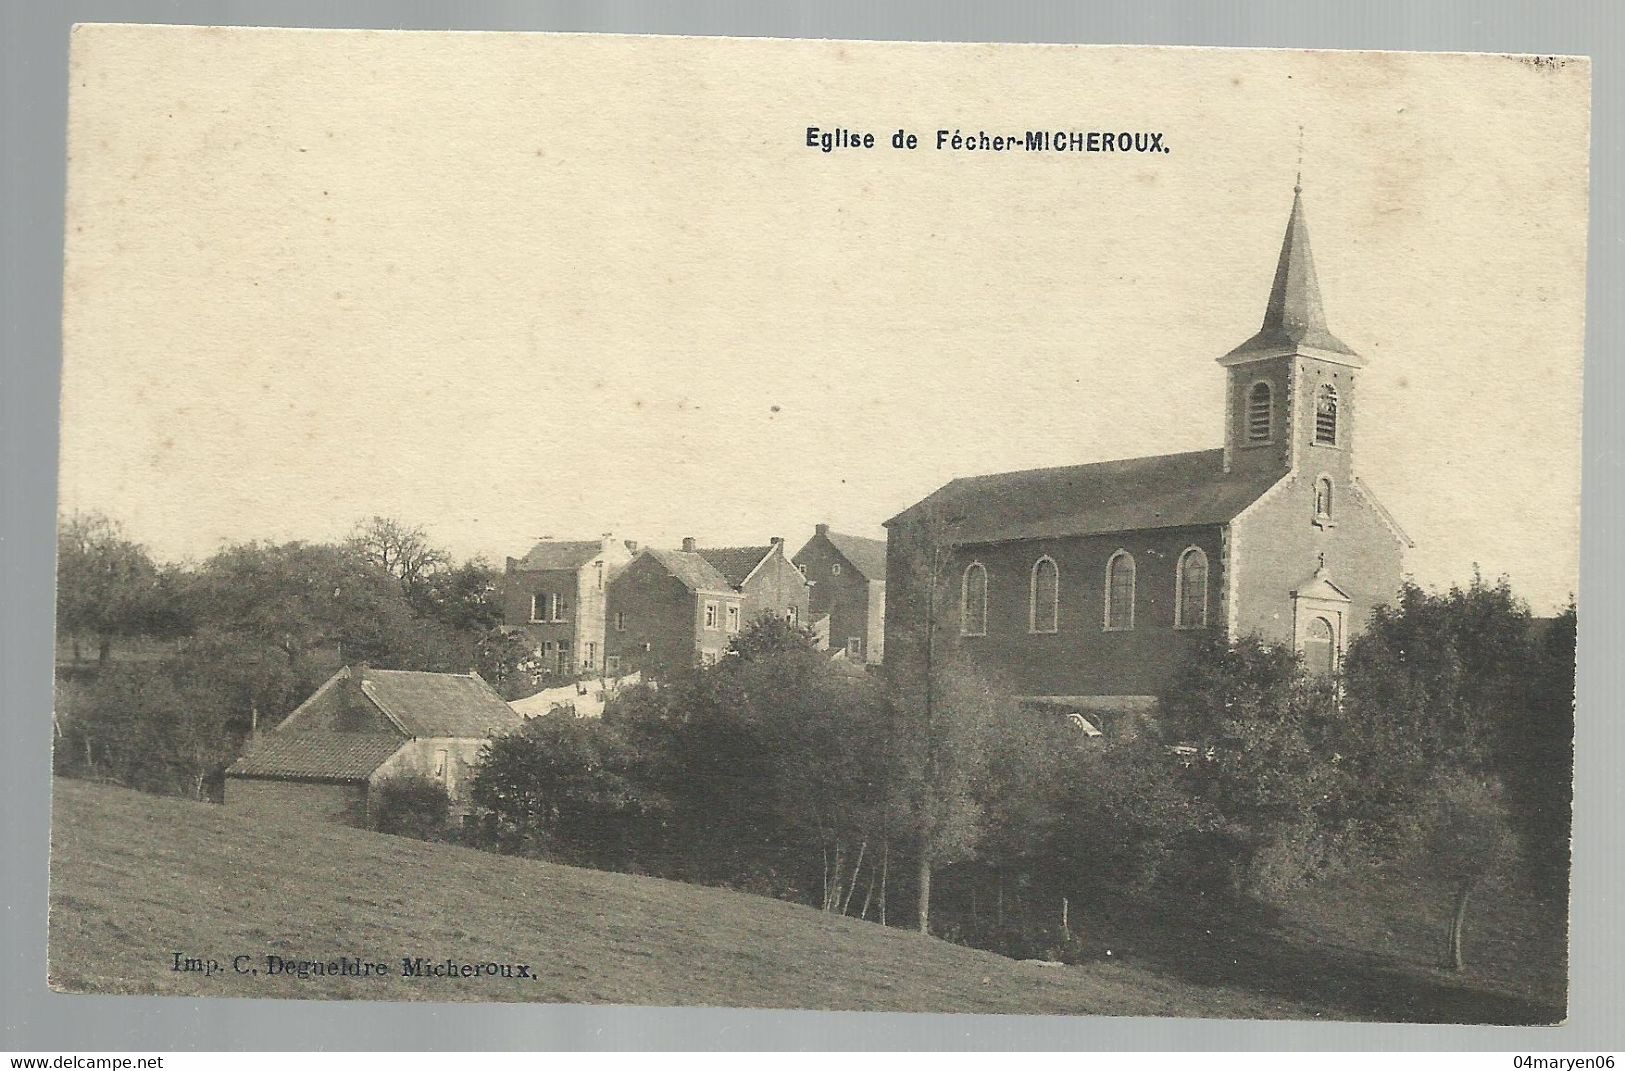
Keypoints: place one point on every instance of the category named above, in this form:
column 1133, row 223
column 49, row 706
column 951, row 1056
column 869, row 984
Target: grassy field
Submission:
column 137, row 879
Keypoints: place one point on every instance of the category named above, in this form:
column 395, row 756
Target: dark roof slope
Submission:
column 1294, row 316
column 440, row 704
column 554, row 554
column 691, row 568
column 735, row 563
column 316, row 755
column 868, row 556
column 1168, row 491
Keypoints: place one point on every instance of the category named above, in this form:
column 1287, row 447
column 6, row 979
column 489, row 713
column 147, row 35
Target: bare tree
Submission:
column 400, row 549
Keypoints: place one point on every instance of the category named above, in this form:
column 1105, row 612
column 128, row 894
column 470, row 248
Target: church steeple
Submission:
column 1294, row 320
column 1289, row 397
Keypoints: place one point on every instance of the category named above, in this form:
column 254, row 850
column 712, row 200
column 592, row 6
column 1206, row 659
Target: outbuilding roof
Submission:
column 316, row 755
column 439, row 704
column 1166, row 491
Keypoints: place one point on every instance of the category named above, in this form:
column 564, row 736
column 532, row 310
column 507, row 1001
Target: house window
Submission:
column 591, row 660
column 1326, row 415
column 1320, row 647
column 538, row 608
column 1260, row 413
column 1190, row 601
column 561, row 607
column 1120, row 592
column 612, row 664
column 733, row 618
column 711, row 615
column 1323, row 499
column 620, row 621
column 600, row 569
column 442, row 765
column 793, row 615
column 854, row 647
column 801, row 567
column 1043, row 610
column 973, row 601
column 835, row 569
column 564, row 656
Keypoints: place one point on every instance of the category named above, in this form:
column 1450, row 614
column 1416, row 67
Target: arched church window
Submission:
column 1190, row 600
column 1320, row 647
column 1326, row 415
column 1260, row 413
column 1043, row 612
column 1120, row 591
column 1323, row 499
column 973, row 601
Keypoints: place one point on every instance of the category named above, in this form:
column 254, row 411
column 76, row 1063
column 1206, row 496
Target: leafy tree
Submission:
column 1278, row 779
column 564, row 786
column 944, row 703
column 770, row 635
column 143, row 728
column 1456, row 681
column 409, row 805
column 304, row 598
column 1462, row 837
column 109, row 588
column 462, row 598
column 508, row 661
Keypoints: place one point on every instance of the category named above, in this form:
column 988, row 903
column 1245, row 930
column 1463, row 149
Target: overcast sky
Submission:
column 513, row 285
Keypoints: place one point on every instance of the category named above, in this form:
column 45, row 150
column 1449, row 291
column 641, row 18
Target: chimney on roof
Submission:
column 631, row 545
column 821, row 529
column 776, row 540
column 688, row 544
column 608, row 540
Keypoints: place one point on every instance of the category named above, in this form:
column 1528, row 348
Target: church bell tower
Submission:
column 1290, row 392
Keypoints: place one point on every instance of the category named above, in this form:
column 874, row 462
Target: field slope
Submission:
column 136, row 879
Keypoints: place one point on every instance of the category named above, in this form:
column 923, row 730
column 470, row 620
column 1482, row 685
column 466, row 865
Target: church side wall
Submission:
column 1081, row 658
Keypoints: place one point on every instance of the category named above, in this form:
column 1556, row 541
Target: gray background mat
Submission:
column 34, row 41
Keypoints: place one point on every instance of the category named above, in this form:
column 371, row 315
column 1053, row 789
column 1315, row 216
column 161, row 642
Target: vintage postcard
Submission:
column 819, row 524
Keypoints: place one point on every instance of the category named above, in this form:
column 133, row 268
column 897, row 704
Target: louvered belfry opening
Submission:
column 1260, row 407
column 1326, row 415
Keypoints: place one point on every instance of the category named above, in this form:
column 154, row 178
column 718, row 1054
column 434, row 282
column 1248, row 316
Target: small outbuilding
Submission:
column 365, row 725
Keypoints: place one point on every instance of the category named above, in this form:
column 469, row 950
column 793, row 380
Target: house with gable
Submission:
column 669, row 610
column 847, row 574
column 365, row 725
column 1080, row 587
column 554, row 597
column 767, row 581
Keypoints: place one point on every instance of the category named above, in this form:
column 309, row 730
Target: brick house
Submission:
column 767, row 581
column 848, row 578
column 669, row 610
column 362, row 726
column 554, row 596
column 1080, row 586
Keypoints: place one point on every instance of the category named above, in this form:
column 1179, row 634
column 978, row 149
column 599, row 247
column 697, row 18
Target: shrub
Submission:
column 409, row 805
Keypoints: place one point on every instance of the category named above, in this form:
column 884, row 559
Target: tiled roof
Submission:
column 316, row 755
column 868, row 556
column 735, row 563
column 553, row 554
column 440, row 704
column 1169, row 491
column 692, row 569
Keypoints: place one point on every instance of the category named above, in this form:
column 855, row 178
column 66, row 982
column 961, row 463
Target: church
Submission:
column 1081, row 587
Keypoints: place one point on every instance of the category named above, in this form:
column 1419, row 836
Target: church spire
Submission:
column 1294, row 318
